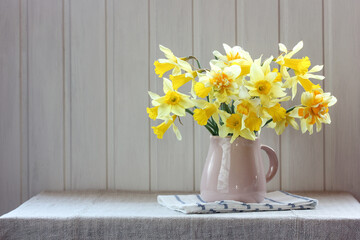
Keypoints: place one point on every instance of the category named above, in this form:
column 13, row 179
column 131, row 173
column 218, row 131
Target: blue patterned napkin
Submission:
column 274, row 201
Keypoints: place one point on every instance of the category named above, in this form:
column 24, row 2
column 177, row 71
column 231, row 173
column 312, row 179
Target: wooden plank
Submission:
column 88, row 94
column 67, row 94
column 110, row 137
column 131, row 81
column 209, row 35
column 342, row 53
column 302, row 156
column 24, row 101
column 45, row 86
column 10, row 138
column 171, row 160
column 257, row 33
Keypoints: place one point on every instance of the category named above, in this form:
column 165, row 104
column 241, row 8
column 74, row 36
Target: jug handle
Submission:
column 273, row 166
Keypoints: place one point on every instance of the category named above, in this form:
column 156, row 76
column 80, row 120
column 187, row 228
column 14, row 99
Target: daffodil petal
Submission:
column 316, row 68
column 282, row 48
column 318, row 77
column 177, row 132
column 167, row 85
column 293, row 123
column 256, row 72
column 167, row 52
column 296, row 49
column 185, row 102
column 178, row 110
column 153, row 95
column 164, row 111
column 246, row 133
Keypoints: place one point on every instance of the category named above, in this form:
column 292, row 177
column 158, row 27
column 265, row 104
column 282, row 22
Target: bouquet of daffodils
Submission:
column 238, row 96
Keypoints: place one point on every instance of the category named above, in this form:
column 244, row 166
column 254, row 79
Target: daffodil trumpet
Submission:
column 210, row 126
column 237, row 95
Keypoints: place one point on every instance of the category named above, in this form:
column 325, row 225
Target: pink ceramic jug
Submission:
column 234, row 171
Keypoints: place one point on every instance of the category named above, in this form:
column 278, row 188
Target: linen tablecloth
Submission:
column 127, row 215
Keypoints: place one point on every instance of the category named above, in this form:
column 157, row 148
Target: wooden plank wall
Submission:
column 45, row 96
column 302, row 155
column 74, row 77
column 10, row 106
column 342, row 151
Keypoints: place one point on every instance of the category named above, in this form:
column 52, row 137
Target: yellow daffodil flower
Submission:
column 163, row 127
column 245, row 102
column 249, row 108
column 181, row 79
column 173, row 101
column 235, row 56
column 277, row 112
column 289, row 54
column 262, row 83
column 201, row 116
column 280, row 119
column 164, row 65
column 189, row 75
column 291, row 82
column 153, row 112
column 234, row 124
column 207, row 110
column 222, row 81
column 253, row 122
column 315, row 109
column 300, row 67
column 283, row 123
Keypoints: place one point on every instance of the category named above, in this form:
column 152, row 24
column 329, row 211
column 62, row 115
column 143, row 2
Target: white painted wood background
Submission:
column 74, row 76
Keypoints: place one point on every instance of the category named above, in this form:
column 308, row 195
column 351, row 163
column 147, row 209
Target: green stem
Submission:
column 189, row 111
column 210, row 130
column 212, row 125
column 197, row 61
column 226, row 108
column 215, row 126
column 290, row 109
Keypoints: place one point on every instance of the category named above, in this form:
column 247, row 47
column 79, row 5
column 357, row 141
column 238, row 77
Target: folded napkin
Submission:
column 274, row 201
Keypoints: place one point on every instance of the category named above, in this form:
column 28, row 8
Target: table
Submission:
column 134, row 215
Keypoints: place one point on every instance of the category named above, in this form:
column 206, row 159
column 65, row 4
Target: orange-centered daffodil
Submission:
column 315, row 109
